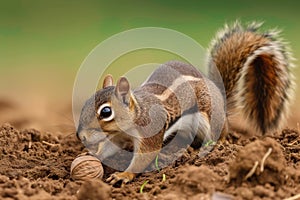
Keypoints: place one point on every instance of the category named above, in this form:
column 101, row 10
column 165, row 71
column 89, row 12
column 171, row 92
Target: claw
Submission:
column 110, row 178
column 123, row 177
column 124, row 182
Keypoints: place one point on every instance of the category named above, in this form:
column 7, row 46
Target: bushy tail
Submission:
column 256, row 71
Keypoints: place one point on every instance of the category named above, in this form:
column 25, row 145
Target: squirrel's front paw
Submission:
column 123, row 177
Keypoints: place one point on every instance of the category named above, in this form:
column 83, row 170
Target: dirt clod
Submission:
column 94, row 190
column 269, row 167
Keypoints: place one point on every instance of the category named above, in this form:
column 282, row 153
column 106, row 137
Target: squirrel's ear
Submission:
column 108, row 81
column 122, row 90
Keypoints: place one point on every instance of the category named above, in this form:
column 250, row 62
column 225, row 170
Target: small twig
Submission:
column 264, row 159
column 29, row 144
column 297, row 196
column 292, row 143
column 252, row 171
column 49, row 144
column 295, row 147
column 227, row 178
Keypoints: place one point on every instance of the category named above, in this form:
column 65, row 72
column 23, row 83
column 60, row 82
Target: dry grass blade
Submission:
column 49, row 144
column 252, row 171
column 263, row 160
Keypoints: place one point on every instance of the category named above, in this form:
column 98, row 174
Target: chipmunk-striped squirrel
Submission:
column 256, row 72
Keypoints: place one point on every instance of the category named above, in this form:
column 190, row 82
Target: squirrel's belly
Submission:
column 189, row 126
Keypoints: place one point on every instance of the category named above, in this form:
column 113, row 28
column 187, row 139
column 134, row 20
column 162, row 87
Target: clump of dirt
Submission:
column 94, row 189
column 36, row 165
column 262, row 161
column 195, row 181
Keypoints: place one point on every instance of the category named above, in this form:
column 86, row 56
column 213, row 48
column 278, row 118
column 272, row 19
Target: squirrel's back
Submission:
column 256, row 71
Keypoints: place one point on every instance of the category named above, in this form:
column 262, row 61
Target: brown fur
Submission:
column 268, row 92
column 258, row 92
column 230, row 55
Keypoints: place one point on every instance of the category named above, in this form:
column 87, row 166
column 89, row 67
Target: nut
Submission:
column 86, row 168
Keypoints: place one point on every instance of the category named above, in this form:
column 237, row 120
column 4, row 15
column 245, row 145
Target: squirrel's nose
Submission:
column 81, row 136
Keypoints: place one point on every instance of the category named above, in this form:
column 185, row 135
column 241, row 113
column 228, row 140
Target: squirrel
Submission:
column 178, row 99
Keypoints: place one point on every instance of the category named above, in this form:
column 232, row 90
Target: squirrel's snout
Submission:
column 90, row 136
column 81, row 136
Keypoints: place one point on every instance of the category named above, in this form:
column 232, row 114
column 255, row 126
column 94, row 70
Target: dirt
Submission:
column 36, row 165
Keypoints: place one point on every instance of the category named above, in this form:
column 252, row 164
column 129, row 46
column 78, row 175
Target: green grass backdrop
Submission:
column 43, row 42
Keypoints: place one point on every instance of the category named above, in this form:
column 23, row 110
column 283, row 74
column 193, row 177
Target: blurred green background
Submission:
column 43, row 43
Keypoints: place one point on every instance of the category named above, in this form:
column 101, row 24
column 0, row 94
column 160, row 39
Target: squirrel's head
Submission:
column 107, row 113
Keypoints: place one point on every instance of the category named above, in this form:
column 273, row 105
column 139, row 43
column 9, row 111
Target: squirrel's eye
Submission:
column 105, row 112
